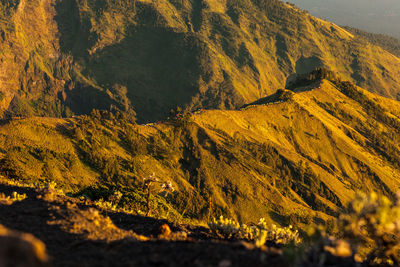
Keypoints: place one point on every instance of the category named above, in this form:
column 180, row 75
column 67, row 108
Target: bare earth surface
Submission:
column 76, row 235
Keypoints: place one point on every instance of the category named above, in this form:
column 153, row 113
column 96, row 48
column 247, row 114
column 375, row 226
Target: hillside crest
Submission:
column 62, row 58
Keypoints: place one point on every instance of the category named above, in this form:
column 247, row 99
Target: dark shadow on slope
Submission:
column 70, row 26
column 308, row 64
column 158, row 66
column 32, row 216
column 196, row 16
column 282, row 55
column 83, row 99
column 304, row 65
column 279, row 96
column 356, row 67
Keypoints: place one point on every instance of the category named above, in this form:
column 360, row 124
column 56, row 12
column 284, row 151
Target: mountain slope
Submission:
column 296, row 156
column 387, row 42
column 63, row 57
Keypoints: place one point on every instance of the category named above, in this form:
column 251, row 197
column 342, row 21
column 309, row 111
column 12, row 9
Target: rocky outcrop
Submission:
column 21, row 250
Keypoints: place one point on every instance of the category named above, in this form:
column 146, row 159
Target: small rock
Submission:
column 340, row 248
column 225, row 263
column 181, row 235
column 165, row 230
column 22, row 250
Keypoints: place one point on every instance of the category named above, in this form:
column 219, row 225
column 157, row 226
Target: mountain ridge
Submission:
column 151, row 57
column 291, row 161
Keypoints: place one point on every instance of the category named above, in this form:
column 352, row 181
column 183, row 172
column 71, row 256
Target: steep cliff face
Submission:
column 30, row 54
column 36, row 74
column 63, row 57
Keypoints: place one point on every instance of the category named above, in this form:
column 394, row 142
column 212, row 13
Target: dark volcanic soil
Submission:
column 73, row 240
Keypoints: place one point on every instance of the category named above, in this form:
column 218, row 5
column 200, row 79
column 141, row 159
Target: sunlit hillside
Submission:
column 60, row 58
column 222, row 133
column 295, row 156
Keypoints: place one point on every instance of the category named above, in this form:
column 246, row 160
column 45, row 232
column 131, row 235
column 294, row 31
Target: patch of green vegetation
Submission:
column 240, row 164
column 184, row 149
column 260, row 233
column 133, row 198
column 371, row 225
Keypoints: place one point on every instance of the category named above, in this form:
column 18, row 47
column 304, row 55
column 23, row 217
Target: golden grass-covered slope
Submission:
column 64, row 57
column 291, row 159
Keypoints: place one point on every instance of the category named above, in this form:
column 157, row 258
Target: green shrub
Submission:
column 226, row 227
column 260, row 234
column 15, row 197
column 372, row 222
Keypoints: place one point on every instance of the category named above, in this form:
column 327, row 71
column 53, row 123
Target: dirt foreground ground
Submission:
column 77, row 234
